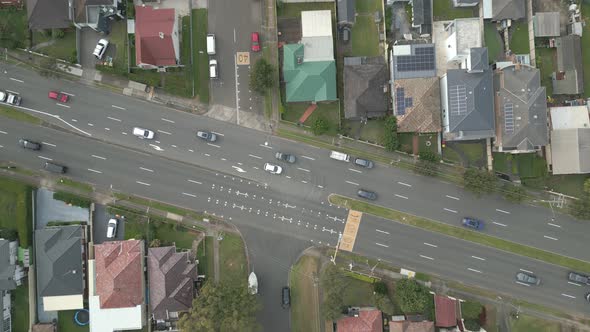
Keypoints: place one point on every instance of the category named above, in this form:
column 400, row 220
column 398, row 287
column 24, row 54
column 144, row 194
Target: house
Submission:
column 416, row 105
column 498, row 10
column 96, row 14
column 49, row 14
column 409, row 324
column 546, row 24
column 7, row 283
column 446, row 310
column 467, row 99
column 422, row 16
column 521, row 110
column 413, row 61
column 362, row 320
column 460, row 38
column 570, row 140
column 569, row 78
column 156, row 37
column 171, row 283
column 346, row 12
column 59, row 253
column 117, row 286
column 309, row 69
column 465, row 3
column 366, row 87
column 44, row 327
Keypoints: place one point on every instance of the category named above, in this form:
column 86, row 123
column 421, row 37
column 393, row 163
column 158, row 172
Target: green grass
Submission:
column 405, row 142
column 305, row 315
column 569, row 184
column 118, row 36
column 160, row 206
column 357, row 293
column 451, row 155
column 331, row 111
column 15, row 202
column 19, row 29
column 15, row 114
column 526, row 323
column 20, row 319
column 586, row 54
column 373, row 131
column 422, row 143
column 205, row 257
column 500, row 162
column 460, row 233
column 293, row 10
column 63, row 48
column 473, row 152
column 545, row 63
column 443, row 10
column 368, row 6
column 76, row 185
column 530, row 165
column 232, row 259
column 185, row 55
column 519, row 40
column 492, row 41
column 181, row 236
column 66, row 323
column 201, row 67
column 365, row 37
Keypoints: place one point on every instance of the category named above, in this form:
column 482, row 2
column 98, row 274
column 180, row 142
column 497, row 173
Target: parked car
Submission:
column 143, row 133
column 285, row 157
column 255, row 42
column 472, row 223
column 273, row 169
column 587, row 297
column 213, row 69
column 579, row 278
column 112, row 228
column 61, row 97
column 366, row 194
column 3, row 96
column 207, row 136
column 28, row 144
column 286, row 297
column 528, row 278
column 100, row 48
column 13, row 99
column 363, row 163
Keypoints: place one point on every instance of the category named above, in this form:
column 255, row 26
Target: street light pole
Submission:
column 337, row 245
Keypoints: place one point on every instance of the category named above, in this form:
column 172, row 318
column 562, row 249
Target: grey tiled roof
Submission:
column 48, row 14
column 422, row 15
column 478, row 57
column 346, row 11
column 569, row 78
column 507, row 9
column 364, row 79
column 6, row 269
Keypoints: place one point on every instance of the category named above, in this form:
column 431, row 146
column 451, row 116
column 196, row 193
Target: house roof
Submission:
column 48, row 14
column 316, row 35
column 6, row 269
column 570, row 117
column 546, row 24
column 307, row 80
column 58, row 252
column 570, row 151
column 154, row 42
column 521, row 109
column 477, row 59
column 422, row 15
column 417, row 105
column 409, row 326
column 119, row 274
column 346, row 11
column 465, row 2
column 461, row 38
column 445, row 311
column 569, row 78
column 368, row 320
column 364, row 82
column 85, row 7
column 172, row 279
column 498, row 10
column 414, row 61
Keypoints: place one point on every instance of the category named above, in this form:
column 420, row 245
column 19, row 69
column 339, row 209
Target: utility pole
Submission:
column 337, row 245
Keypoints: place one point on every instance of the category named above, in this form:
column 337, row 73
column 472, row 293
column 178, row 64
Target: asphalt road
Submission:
column 268, row 214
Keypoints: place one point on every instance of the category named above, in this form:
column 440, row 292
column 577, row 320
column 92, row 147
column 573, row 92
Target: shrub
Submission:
column 472, row 325
column 471, row 310
column 72, row 199
column 320, row 126
column 429, row 156
column 390, row 139
column 65, row 223
column 8, row 234
column 380, row 287
column 513, row 193
column 412, row 296
column 479, row 181
column 425, row 167
column 57, row 33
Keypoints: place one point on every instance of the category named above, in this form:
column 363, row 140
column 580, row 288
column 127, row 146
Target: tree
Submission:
column 48, row 67
column 390, row 140
column 513, row 193
column 479, row 181
column 262, row 76
column 471, row 310
column 587, row 186
column 411, row 296
column 428, row 156
column 320, row 126
column 581, row 207
column 425, row 167
column 380, row 287
column 222, row 307
column 155, row 243
column 472, row 324
column 383, row 303
column 333, row 283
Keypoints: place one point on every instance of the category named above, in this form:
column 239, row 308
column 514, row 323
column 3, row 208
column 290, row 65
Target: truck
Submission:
column 340, row 156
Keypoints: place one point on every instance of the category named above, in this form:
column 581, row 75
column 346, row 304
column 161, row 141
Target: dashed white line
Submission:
column 404, row 184
column 499, row 224
column 567, row 295
column 14, row 79
column 431, row 245
column 208, row 155
column 354, row 170
column 98, row 157
column 114, row 119
column 190, row 195
column 94, row 171
column 452, row 197
column 502, row 211
column 481, row 259
column 253, row 156
column 303, row 169
column 216, row 133
column 146, row 169
column 381, row 245
column 46, row 143
column 119, row 107
column 353, row 183
column 62, row 105
column 288, row 177
column 401, row 196
column 554, row 225
column 522, row 283
column 573, row 283
column 143, row 183
column 124, row 133
column 449, row 210
column 549, row 237
column 90, row 124
column 1, row 146
column 164, row 119
column 193, row 181
column 303, row 181
column 527, row 271
column 319, row 186
column 473, row 270
column 69, row 94
column 426, row 257
column 164, row 132
column 45, row 158
column 306, row 157
column 3, row 132
column 74, row 120
column 213, row 145
column 380, row 231
column 265, row 146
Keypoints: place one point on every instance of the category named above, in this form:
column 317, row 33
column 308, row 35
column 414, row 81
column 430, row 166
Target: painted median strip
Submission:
column 460, row 233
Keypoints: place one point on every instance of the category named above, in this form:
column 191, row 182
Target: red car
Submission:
column 61, row 97
column 255, row 41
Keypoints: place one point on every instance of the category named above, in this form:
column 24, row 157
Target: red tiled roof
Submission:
column 153, row 36
column 446, row 311
column 367, row 321
column 119, row 273
column 407, row 326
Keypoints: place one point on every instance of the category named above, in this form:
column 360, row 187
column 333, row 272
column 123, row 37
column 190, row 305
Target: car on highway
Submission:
column 28, row 144
column 472, row 223
column 366, row 194
column 273, row 169
column 255, row 42
column 286, row 297
column 587, row 297
column 55, row 168
column 143, row 133
column 579, row 278
column 112, row 228
column 363, row 163
column 285, row 157
column 61, row 97
column 528, row 278
column 3, row 96
column 206, row 136
column 13, row 99
column 100, row 48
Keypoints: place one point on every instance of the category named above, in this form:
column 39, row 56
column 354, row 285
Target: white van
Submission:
column 213, row 68
column 211, row 44
column 339, row 156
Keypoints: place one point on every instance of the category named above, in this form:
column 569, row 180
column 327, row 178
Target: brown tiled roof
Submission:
column 153, row 36
column 446, row 311
column 368, row 321
column 171, row 278
column 119, row 275
column 424, row 116
column 407, row 326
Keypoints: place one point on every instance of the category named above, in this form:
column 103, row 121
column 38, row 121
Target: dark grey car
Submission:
column 528, row 278
column 286, row 297
column 579, row 278
column 28, row 144
column 363, row 163
column 286, row 157
column 366, row 194
column 207, row 136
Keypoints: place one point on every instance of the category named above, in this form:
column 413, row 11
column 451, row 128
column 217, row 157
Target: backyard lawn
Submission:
column 329, row 110
column 585, row 52
column 233, row 266
column 492, row 41
column 61, row 48
column 443, row 10
column 301, row 279
column 545, row 63
column 519, row 37
column 66, row 323
column 20, row 320
column 293, row 10
column 205, row 257
column 365, row 37
column 15, row 202
column 200, row 61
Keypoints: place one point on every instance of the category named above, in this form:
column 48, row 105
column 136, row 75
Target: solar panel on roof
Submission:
column 422, row 59
column 402, row 102
column 509, row 118
column 458, row 100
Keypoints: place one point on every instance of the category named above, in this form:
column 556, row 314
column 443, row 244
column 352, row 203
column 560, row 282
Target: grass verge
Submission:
column 15, row 202
column 328, row 110
column 200, row 64
column 160, row 206
column 20, row 319
column 76, row 185
column 66, row 323
column 232, row 259
column 14, row 114
column 460, row 233
column 526, row 323
column 304, row 294
column 205, row 257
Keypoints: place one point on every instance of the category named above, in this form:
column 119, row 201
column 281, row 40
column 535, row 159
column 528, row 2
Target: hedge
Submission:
column 72, row 199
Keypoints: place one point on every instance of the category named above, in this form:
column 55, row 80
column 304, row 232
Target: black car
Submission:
column 579, row 278
column 28, row 144
column 285, row 157
column 207, row 136
column 363, row 163
column 528, row 278
column 366, row 194
column 286, row 297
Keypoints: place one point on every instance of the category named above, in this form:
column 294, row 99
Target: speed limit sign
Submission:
column 243, row 58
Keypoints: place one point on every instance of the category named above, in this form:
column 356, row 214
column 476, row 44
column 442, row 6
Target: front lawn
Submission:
column 519, row 37
column 465, row 153
column 15, row 202
column 293, row 10
column 568, row 184
column 492, row 41
column 443, row 10
column 357, row 293
column 200, row 61
column 365, row 37
column 303, row 294
column 545, row 63
column 205, row 257
column 66, row 323
column 329, row 110
column 232, row 259
column 20, row 318
column 61, row 48
column 526, row 323
column 118, row 37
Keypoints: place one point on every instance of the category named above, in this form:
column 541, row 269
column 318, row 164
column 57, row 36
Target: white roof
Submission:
column 569, row 117
column 318, row 48
column 316, row 23
column 570, row 151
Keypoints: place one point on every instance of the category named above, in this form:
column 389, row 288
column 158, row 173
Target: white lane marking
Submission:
column 527, row 271
column 14, row 79
column 62, row 105
column 208, row 155
column 143, row 183
column 322, row 187
column 74, row 120
column 3, row 132
column 45, row 158
column 164, row 119
column 452, row 197
column 146, row 169
column 303, row 181
column 164, row 132
column 157, row 148
column 95, row 171
column 380, row 231
column 554, row 225
column 567, row 295
column 90, row 124
column 573, row 283
column 214, row 145
column 124, row 133
column 174, row 146
column 381, row 245
column 223, row 159
column 107, row 129
column 431, row 245
column 354, row 170
column 238, row 169
column 453, row 211
column 46, row 143
column 288, row 177
column 549, row 237
column 303, row 169
column 499, row 224
column 56, row 117
column 353, row 183
column 473, row 270
column 216, row 133
column 193, row 181
column 1, row 146
column 522, row 283
column 400, row 196
column 265, row 146
column 67, row 93
column 253, row 156
column 306, row 157
column 13, row 91
column 481, row 259
column 98, row 157
column 430, row 258
column 114, row 119
column 505, row 212
column 190, row 195
column 119, row 107
column 404, row 184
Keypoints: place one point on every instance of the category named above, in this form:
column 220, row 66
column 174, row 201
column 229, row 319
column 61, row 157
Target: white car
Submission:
column 100, row 48
column 14, row 99
column 112, row 228
column 143, row 133
column 273, row 169
column 213, row 68
column 2, row 96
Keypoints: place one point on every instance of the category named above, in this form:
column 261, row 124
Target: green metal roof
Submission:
column 307, row 81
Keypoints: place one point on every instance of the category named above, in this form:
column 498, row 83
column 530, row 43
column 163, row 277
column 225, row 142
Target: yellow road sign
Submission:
column 243, row 58
column 350, row 230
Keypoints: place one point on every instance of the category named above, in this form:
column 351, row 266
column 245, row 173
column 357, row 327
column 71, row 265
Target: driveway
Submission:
column 88, row 40
column 101, row 219
column 49, row 209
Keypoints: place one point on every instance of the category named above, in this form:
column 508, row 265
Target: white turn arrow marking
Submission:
column 238, row 169
column 157, row 148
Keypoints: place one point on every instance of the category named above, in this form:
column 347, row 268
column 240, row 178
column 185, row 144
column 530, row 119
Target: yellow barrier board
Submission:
column 350, row 230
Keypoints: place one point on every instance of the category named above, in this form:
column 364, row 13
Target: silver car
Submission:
column 528, row 278
column 273, row 169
